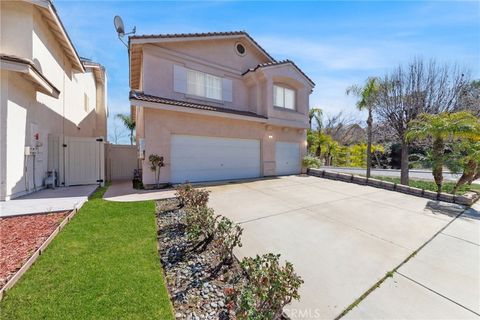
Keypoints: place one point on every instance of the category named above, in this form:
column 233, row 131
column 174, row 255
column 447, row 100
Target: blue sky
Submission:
column 337, row 43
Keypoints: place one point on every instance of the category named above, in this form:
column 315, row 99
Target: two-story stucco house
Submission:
column 53, row 104
column 216, row 106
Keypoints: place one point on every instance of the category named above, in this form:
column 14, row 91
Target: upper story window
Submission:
column 283, row 97
column 201, row 85
column 204, row 85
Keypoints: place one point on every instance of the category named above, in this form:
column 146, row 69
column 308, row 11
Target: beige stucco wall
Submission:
column 25, row 34
column 251, row 92
column 160, row 125
column 16, row 15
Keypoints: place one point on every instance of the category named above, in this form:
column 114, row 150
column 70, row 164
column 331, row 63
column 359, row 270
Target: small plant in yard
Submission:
column 200, row 224
column 190, row 197
column 156, row 162
column 310, row 161
column 228, row 236
column 270, row 287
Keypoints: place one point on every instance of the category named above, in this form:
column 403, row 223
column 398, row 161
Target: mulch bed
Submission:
column 20, row 237
column 196, row 286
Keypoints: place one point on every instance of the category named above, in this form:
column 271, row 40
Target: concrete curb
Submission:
column 40, row 250
column 467, row 199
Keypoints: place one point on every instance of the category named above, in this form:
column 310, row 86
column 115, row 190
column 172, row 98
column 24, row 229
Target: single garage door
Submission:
column 287, row 158
column 198, row 158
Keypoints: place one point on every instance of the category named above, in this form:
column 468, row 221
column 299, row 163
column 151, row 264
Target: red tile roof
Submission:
column 276, row 63
column 139, row 95
column 202, row 35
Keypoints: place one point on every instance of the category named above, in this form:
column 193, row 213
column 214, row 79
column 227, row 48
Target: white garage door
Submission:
column 287, row 158
column 197, row 158
column 84, row 161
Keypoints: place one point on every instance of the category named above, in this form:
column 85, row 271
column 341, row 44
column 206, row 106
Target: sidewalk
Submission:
column 122, row 191
column 47, row 200
column 441, row 281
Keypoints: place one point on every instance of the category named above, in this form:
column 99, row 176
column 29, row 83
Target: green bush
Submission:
column 310, row 161
column 228, row 236
column 190, row 197
column 200, row 224
column 270, row 287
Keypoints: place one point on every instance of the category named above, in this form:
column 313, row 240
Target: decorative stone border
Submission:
column 467, row 199
column 40, row 250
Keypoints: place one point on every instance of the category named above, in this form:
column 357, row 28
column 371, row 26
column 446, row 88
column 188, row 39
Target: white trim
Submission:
column 32, row 75
column 166, row 107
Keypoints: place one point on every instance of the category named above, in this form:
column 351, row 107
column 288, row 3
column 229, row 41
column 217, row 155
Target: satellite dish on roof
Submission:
column 120, row 28
column 118, row 22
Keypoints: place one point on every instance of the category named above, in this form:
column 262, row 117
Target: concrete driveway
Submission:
column 342, row 238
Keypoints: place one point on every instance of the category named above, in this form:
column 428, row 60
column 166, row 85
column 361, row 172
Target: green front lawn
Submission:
column 430, row 185
column 103, row 265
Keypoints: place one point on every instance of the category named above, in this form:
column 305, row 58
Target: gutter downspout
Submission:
column 63, row 123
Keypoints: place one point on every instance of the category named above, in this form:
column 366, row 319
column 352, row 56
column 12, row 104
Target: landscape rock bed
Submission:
column 21, row 237
column 197, row 286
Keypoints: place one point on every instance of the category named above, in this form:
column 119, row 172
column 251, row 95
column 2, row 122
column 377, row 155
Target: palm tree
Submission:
column 368, row 95
column 315, row 114
column 470, row 163
column 129, row 123
column 440, row 128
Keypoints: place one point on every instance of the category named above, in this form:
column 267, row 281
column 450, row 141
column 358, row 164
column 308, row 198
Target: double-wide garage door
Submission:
column 197, row 158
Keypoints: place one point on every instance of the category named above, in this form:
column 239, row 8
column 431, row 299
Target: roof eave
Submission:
column 47, row 7
column 291, row 63
column 33, row 75
column 132, row 40
column 168, row 107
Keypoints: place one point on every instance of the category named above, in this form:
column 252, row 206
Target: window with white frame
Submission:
column 204, row 85
column 283, row 97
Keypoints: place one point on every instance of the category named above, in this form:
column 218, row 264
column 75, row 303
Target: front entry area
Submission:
column 201, row 158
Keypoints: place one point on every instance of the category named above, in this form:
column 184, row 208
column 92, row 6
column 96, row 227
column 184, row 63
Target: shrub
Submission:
column 270, row 287
column 228, row 236
column 190, row 197
column 200, row 224
column 310, row 161
column 156, row 162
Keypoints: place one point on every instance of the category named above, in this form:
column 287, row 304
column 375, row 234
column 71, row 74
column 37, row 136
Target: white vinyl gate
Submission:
column 84, row 161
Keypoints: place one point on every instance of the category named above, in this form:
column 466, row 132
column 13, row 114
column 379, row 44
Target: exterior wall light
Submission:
column 270, row 137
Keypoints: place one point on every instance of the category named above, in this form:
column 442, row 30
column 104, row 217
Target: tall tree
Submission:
column 470, row 98
column 129, row 123
column 367, row 95
column 440, row 128
column 315, row 114
column 470, row 162
column 419, row 87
